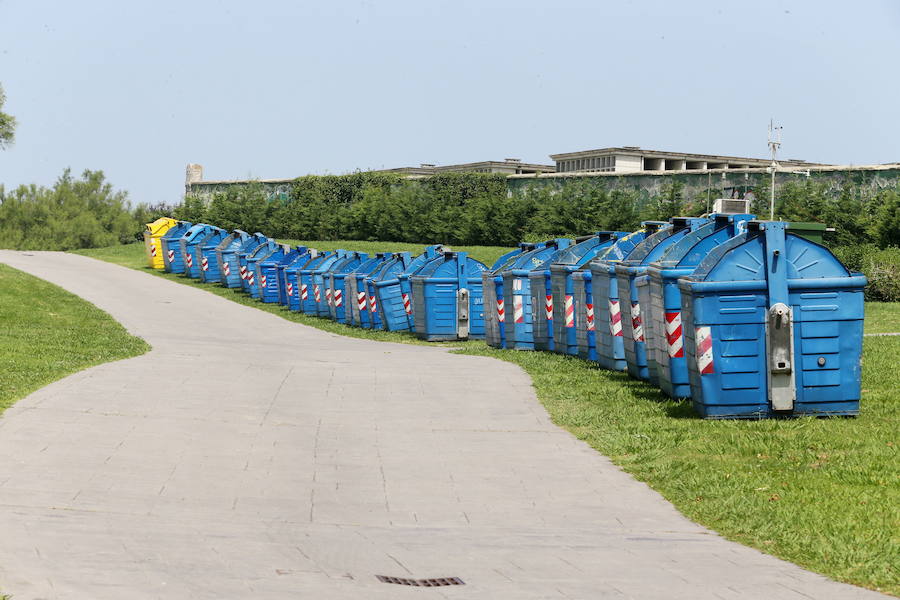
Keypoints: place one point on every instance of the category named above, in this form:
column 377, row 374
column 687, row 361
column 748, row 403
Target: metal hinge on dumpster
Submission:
column 780, row 347
column 462, row 313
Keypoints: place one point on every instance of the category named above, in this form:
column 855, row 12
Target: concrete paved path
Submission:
column 248, row 457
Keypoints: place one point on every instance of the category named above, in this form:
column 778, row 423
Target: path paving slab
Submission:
column 249, row 457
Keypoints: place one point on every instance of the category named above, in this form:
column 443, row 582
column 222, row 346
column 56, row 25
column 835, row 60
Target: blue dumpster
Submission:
column 321, row 292
column 206, row 252
column 404, row 286
column 227, row 255
column 356, row 292
column 286, row 288
column 494, row 302
column 610, row 347
column 173, row 261
column 448, row 299
column 526, row 308
column 248, row 282
column 189, row 242
column 627, row 271
column 334, row 283
column 270, row 290
column 291, row 278
column 773, row 326
column 310, row 294
column 570, row 260
column 268, row 251
column 375, row 318
column 660, row 299
column 519, row 249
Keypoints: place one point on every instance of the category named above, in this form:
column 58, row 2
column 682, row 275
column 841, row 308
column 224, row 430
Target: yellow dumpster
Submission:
column 152, row 235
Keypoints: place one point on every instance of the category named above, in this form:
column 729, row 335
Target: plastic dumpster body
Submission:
column 264, row 247
column 334, row 283
column 206, row 253
column 303, row 255
column 227, row 255
column 263, row 253
column 518, row 301
column 610, row 347
column 173, row 261
column 495, row 316
column 320, row 292
column 385, row 285
column 355, row 291
column 660, row 299
column 291, row 278
column 448, row 298
column 774, row 326
column 565, row 340
column 626, row 272
column 305, row 283
column 153, row 233
column 375, row 318
column 403, row 286
column 188, row 243
column 270, row 290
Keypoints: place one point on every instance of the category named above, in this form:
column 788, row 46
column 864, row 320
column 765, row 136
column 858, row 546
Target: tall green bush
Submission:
column 75, row 213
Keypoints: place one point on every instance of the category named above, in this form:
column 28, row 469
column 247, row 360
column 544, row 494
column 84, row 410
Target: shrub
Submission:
column 880, row 266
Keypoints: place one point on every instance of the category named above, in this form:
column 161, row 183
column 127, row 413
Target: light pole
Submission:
column 774, row 144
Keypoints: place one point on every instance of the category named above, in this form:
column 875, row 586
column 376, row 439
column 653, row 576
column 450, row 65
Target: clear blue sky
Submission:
column 279, row 88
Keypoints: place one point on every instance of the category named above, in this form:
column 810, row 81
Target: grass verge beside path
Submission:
column 822, row 493
column 882, row 317
column 49, row 333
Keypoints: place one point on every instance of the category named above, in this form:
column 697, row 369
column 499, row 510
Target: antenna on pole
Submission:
column 774, row 145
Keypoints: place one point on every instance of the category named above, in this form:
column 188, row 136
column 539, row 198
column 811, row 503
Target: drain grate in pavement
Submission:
column 435, row 582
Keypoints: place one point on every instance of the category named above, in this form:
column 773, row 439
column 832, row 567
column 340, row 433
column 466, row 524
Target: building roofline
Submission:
column 782, row 169
column 635, row 151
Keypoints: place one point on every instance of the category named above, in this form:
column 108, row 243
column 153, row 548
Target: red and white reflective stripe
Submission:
column 243, row 272
column 637, row 325
column 304, row 292
column 570, row 311
column 317, row 293
column 171, row 255
column 152, row 249
column 338, row 298
column 674, row 337
column 615, row 318
column 204, row 264
column 704, row 350
column 190, row 260
column 290, row 289
column 328, row 296
column 373, row 304
column 589, row 316
column 518, row 309
column 361, row 300
column 226, row 268
column 251, row 277
column 548, row 307
column 406, row 304
column 501, row 310
column 262, row 280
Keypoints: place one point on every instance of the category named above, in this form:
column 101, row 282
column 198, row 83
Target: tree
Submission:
column 7, row 125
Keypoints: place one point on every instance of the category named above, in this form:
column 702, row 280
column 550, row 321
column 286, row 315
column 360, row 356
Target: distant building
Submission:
column 508, row 166
column 630, row 159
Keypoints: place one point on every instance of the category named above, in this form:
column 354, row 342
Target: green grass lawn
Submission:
column 882, row 317
column 50, row 333
column 823, row 493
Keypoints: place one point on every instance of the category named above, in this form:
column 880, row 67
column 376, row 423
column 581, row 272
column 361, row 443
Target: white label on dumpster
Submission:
column 704, row 350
